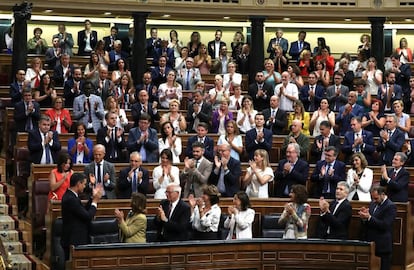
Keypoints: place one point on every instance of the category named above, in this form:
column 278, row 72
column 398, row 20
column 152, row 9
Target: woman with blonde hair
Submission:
column 271, row 76
column 175, row 117
column 169, row 90
column 34, row 72
column 258, row 175
column 202, row 60
column 404, row 121
column 300, row 114
column 220, row 118
column 133, row 228
column 406, row 55
column 246, row 114
column 232, row 138
column 359, row 178
column 111, row 105
column 306, row 65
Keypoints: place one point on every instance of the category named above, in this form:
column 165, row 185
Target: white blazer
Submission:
column 365, row 183
column 242, row 223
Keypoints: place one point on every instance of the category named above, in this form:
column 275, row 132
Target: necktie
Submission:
column 89, row 111
column 326, row 186
column 169, row 210
column 113, row 142
column 333, row 207
column 187, row 83
column 300, row 46
column 389, row 133
column 237, row 105
column 29, row 124
column 47, row 150
column 358, row 148
column 394, row 174
column 337, row 101
column 98, row 165
column 273, row 113
column 144, row 108
column 197, row 163
column 388, row 97
column 134, row 182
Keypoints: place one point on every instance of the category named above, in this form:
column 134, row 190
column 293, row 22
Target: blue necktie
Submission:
column 99, row 173
column 134, row 182
column 47, row 150
column 187, row 83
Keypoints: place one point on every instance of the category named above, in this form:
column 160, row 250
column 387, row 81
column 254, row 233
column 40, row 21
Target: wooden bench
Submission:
column 402, row 230
column 217, row 254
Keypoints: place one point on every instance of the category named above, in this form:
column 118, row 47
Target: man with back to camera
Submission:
column 76, row 217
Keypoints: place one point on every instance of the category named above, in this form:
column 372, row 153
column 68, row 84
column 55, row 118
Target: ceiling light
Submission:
column 286, row 19
column 408, row 20
column 48, row 10
column 347, row 19
column 107, row 13
column 226, row 17
column 166, row 16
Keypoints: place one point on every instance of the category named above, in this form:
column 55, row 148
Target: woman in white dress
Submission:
column 165, row 174
column 232, row 138
column 359, row 179
column 258, row 175
column 245, row 116
column 205, row 214
column 34, row 72
column 322, row 114
column 169, row 90
column 372, row 76
column 241, row 217
column 170, row 141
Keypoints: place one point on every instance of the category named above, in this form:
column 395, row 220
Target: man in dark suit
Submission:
column 148, row 85
column 202, row 130
column 260, row 92
column 87, row 39
column 73, row 87
column 396, row 179
column 26, row 112
column 196, row 171
column 215, row 45
column 100, row 173
column 391, row 140
column 76, row 217
column 291, row 171
column 164, row 51
column 53, row 54
column 198, row 111
column 115, row 54
column 327, row 174
column 226, row 172
column 389, row 91
column 378, row 222
column 346, row 112
column 144, row 140
column 104, row 86
column 322, row 141
column 335, row 216
column 312, row 94
column 159, row 73
column 337, row 94
column 173, row 216
column 63, row 72
column 298, row 46
column 43, row 143
column 133, row 179
column 275, row 118
column 153, row 42
column 258, row 137
column 358, row 140
column 277, row 41
column 112, row 137
column 17, row 87
column 109, row 40
column 143, row 106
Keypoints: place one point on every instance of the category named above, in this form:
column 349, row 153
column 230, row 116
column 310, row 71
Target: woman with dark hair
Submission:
column 205, row 214
column 103, row 55
column 373, row 76
column 296, row 214
column 174, row 43
column 37, row 44
column 124, row 92
column 237, row 44
column 45, row 94
column 170, row 90
column 374, row 120
column 194, row 44
column 165, row 174
column 241, row 217
column 170, row 141
column 359, row 178
column 60, row 118
column 91, row 72
column 328, row 60
column 80, row 147
column 322, row 74
column 121, row 69
column 133, row 228
column 295, row 76
column 59, row 178
column 321, row 45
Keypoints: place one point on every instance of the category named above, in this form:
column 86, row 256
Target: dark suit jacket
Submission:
column 105, row 91
column 58, row 77
column 152, row 96
column 108, row 45
column 175, row 229
column 170, row 57
column 36, row 147
column 231, row 178
column 152, row 45
column 279, row 125
column 294, row 51
column 108, row 168
column 136, row 110
column 205, row 115
column 403, row 79
column 151, row 145
column 368, row 149
column 388, row 149
column 67, row 92
column 82, row 41
column 379, row 228
column 112, row 146
column 260, row 103
column 339, row 175
column 76, row 220
column 311, row 105
column 125, row 186
column 298, row 175
column 345, row 121
column 397, row 188
column 157, row 77
column 211, row 47
column 252, row 145
column 383, row 96
column 333, row 141
column 283, row 42
column 15, row 93
column 20, row 117
column 208, row 147
column 112, row 61
column 336, row 102
column 337, row 222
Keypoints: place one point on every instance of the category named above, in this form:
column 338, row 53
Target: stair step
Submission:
column 20, row 262
column 14, row 247
column 9, row 235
